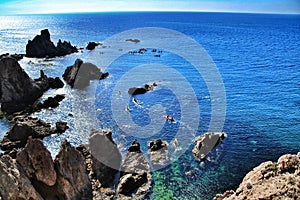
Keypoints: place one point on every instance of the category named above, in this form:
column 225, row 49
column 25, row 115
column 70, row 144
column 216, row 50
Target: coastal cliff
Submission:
column 270, row 180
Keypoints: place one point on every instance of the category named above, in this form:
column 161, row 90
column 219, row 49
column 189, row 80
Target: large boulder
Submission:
column 106, row 157
column 80, row 74
column 37, row 162
column 13, row 182
column 135, row 178
column 42, row 46
column 141, row 90
column 18, row 92
column 18, row 135
column 72, row 179
column 269, row 180
column 204, row 144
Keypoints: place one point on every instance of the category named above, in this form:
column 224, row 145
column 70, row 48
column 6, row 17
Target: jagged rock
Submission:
column 135, row 179
column 15, row 56
column 55, row 83
column 80, row 74
column 159, row 153
column 51, row 102
column 270, row 180
column 42, row 46
column 37, row 163
column 92, row 45
column 13, row 183
column 72, row 179
column 61, row 127
column 17, row 89
column 18, row 135
column 18, row 92
column 106, row 157
column 141, row 90
column 207, row 142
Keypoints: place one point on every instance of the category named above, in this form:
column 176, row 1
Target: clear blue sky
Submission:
column 66, row 6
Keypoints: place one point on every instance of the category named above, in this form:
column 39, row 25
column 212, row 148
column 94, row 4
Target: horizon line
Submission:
column 133, row 11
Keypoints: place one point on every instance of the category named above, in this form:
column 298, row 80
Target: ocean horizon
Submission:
column 256, row 56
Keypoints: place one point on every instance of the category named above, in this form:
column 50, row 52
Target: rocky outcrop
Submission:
column 36, row 162
column 80, row 74
column 141, row 90
column 106, row 157
column 92, row 45
column 18, row 92
column 72, row 179
column 135, row 179
column 159, row 153
column 42, row 46
column 14, row 184
column 207, row 142
column 270, row 180
column 14, row 56
column 18, row 135
column 51, row 102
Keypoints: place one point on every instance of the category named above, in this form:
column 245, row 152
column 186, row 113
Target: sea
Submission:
column 231, row 72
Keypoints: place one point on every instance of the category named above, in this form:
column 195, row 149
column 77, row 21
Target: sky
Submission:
column 9, row 7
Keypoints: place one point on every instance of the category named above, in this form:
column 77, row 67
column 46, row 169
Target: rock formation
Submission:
column 42, row 46
column 141, row 90
column 135, row 175
column 92, row 45
column 270, row 180
column 159, row 153
column 207, row 142
column 17, row 136
column 80, row 74
column 18, row 91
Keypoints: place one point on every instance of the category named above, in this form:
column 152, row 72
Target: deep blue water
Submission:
column 258, row 58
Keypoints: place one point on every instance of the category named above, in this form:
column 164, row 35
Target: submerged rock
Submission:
column 135, row 178
column 270, row 180
column 14, row 183
column 80, row 74
column 207, row 142
column 42, row 46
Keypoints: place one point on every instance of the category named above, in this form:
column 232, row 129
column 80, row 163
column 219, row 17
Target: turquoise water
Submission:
column 258, row 57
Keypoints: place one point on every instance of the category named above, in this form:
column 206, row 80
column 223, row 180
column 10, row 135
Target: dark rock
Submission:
column 17, row 89
column 14, row 183
column 141, row 90
column 72, row 179
column 37, row 163
column 135, row 174
column 18, row 135
column 106, row 157
column 159, row 153
column 55, row 83
column 80, row 74
column 41, row 46
column 51, row 102
column 14, row 56
column 130, row 182
column 92, row 45
column 61, row 127
column 207, row 142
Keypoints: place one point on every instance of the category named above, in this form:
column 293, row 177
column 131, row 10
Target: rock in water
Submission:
column 37, row 162
column 80, row 74
column 42, row 46
column 135, row 179
column 72, row 180
column 270, row 180
column 141, row 90
column 106, row 157
column 159, row 153
column 92, row 45
column 17, row 89
column 18, row 135
column 207, row 142
column 14, row 184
